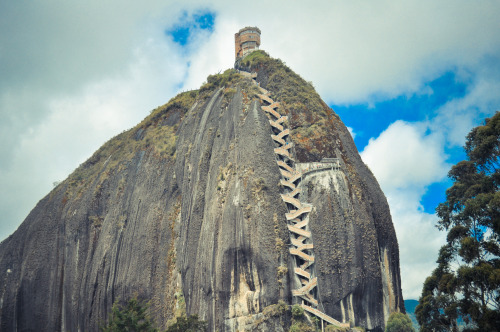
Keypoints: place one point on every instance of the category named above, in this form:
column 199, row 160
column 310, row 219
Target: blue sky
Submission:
column 368, row 121
column 189, row 25
column 410, row 79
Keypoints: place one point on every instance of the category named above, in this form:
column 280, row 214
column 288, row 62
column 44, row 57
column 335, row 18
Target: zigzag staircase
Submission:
column 298, row 212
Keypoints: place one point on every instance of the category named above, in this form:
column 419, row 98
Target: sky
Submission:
column 409, row 78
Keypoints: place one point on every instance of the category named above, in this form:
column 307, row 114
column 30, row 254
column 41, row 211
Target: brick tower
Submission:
column 246, row 40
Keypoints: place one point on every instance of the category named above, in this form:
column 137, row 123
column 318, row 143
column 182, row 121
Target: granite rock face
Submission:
column 186, row 208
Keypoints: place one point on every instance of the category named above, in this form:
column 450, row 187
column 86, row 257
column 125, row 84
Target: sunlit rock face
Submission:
column 184, row 210
column 346, row 233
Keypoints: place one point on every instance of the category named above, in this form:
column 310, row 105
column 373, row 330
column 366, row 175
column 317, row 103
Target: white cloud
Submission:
column 404, row 156
column 405, row 160
column 215, row 53
column 77, row 124
column 457, row 117
column 419, row 241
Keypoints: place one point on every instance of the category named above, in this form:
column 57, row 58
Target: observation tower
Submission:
column 246, row 40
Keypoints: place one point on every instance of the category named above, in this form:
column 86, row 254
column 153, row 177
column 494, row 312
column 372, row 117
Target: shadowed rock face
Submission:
column 187, row 204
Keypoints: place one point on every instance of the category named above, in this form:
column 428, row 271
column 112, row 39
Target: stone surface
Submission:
column 188, row 202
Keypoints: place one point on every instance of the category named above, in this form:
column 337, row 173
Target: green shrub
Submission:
column 191, row 324
column 333, row 328
column 297, row 311
column 274, row 310
column 399, row 322
column 282, row 272
column 301, row 327
column 129, row 317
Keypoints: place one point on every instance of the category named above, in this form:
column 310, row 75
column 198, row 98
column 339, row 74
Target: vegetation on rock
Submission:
column 228, row 81
column 287, row 86
column 466, row 283
column 132, row 316
column 297, row 311
column 333, row 328
column 188, row 324
column 157, row 134
column 310, row 118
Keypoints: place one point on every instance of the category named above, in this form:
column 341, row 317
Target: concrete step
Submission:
column 295, row 202
column 302, row 223
column 287, row 184
column 286, row 174
column 276, row 125
column 299, row 231
column 302, row 273
column 278, row 139
column 270, row 110
column 324, row 316
column 295, row 192
column 310, row 299
column 282, row 119
column 298, row 241
column 297, row 213
column 286, row 166
column 305, row 289
column 284, row 133
column 306, row 265
column 263, row 91
column 301, row 254
column 307, row 246
column 265, row 98
column 283, row 152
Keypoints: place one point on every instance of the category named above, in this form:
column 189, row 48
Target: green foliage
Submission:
column 316, row 322
column 133, row 317
column 333, row 328
column 300, row 322
column 300, row 326
column 466, row 282
column 129, row 317
column 274, row 310
column 281, row 270
column 253, row 58
column 180, row 305
column 399, row 322
column 287, row 86
column 310, row 119
column 225, row 80
column 189, row 324
column 297, row 311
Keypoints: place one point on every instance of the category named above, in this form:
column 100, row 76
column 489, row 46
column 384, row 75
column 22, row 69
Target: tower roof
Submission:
column 249, row 28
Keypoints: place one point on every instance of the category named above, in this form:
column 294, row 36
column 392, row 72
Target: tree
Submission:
column 190, row 324
column 399, row 322
column 465, row 285
column 131, row 317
